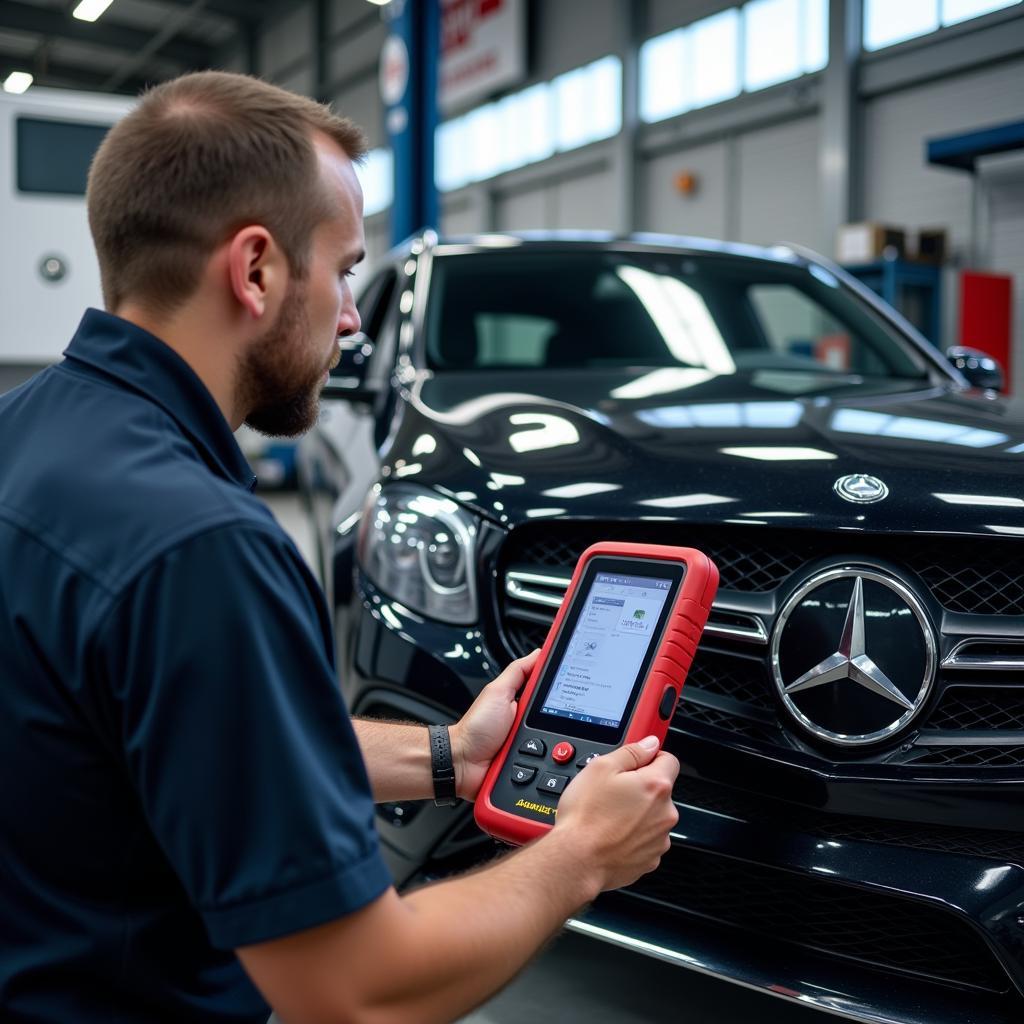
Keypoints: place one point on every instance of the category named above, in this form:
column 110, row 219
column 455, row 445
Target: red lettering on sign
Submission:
column 458, row 18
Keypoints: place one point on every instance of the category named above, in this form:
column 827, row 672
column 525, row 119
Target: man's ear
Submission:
column 257, row 270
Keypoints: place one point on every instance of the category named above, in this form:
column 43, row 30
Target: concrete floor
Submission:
column 580, row 979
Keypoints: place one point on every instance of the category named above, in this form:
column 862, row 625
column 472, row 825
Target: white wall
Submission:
column 704, row 212
column 777, row 185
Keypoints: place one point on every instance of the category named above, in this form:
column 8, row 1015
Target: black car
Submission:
column 852, row 729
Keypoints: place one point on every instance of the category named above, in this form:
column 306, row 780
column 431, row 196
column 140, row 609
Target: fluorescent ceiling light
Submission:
column 1016, row 531
column 90, row 10
column 17, row 82
column 780, row 454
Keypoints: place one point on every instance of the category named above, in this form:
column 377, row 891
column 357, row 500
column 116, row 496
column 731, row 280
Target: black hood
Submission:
column 684, row 444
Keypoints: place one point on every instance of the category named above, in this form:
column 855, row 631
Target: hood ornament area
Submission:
column 853, row 656
column 860, row 488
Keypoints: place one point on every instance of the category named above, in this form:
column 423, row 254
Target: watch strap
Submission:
column 442, row 766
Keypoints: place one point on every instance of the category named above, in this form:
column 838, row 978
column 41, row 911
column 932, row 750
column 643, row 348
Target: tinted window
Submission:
column 54, row 156
column 373, row 303
column 590, row 309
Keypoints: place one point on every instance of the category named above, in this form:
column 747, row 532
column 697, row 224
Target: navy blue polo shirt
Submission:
column 178, row 773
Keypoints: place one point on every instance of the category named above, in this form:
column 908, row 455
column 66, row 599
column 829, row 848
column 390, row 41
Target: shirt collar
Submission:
column 142, row 362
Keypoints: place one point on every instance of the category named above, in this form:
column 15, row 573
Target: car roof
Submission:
column 651, row 242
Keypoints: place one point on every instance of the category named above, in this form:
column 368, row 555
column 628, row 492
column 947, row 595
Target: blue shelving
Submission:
column 915, row 289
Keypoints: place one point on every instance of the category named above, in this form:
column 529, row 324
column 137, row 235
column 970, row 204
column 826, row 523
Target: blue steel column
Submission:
column 411, row 121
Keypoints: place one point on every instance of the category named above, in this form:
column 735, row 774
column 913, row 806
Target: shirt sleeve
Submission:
column 237, row 740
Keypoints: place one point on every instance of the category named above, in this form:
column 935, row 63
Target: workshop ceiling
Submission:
column 135, row 43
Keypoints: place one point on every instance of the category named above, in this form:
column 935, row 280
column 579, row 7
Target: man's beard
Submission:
column 278, row 386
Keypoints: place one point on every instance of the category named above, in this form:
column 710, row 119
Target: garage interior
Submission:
column 885, row 135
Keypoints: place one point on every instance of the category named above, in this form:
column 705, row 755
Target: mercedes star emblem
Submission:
column 853, row 656
column 860, row 488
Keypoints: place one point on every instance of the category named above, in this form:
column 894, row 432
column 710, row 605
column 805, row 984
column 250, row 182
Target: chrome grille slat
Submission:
column 518, row 587
column 1004, row 661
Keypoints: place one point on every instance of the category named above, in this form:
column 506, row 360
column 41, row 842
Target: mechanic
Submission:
column 186, row 819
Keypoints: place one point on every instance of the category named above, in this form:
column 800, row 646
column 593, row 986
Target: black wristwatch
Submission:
column 442, row 766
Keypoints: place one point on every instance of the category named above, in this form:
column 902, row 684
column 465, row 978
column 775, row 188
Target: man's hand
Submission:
column 618, row 813
column 482, row 730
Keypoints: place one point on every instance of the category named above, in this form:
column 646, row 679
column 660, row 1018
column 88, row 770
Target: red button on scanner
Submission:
column 563, row 752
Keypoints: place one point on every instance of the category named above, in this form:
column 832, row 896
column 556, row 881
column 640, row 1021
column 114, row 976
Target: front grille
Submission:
column 885, row 932
column 967, row 708
column 736, row 724
column 967, row 757
column 523, row 636
column 742, row 679
column 729, row 688
column 966, row 574
column 785, row 816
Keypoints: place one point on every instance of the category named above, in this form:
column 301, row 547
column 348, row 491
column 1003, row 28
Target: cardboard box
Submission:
column 868, row 241
column 932, row 245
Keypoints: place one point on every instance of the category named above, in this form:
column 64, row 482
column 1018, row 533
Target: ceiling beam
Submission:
column 50, row 75
column 54, row 24
column 242, row 11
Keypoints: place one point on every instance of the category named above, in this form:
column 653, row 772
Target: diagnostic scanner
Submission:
column 610, row 673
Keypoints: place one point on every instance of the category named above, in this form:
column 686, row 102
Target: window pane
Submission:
column 664, row 76
column 954, row 11
column 571, row 103
column 815, row 35
column 525, row 128
column 772, row 42
column 588, row 103
column 483, row 139
column 39, row 139
column 714, row 44
column 605, row 97
column 376, row 176
column 451, row 164
column 534, row 112
column 886, row 22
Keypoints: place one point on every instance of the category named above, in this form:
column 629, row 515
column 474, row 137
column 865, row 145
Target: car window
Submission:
column 595, row 308
column 512, row 339
column 803, row 331
column 373, row 302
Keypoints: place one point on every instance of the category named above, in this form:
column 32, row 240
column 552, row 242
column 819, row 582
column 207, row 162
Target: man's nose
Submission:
column 349, row 321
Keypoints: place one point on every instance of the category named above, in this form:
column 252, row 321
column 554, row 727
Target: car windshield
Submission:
column 593, row 309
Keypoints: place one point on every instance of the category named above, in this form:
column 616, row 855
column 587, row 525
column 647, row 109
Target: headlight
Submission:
column 419, row 547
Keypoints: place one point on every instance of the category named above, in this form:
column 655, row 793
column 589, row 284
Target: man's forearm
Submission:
column 495, row 921
column 434, row 955
column 397, row 756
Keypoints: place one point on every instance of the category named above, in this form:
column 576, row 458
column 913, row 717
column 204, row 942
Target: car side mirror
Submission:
column 349, row 379
column 980, row 369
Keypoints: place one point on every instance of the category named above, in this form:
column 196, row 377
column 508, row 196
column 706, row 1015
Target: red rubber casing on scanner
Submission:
column 671, row 663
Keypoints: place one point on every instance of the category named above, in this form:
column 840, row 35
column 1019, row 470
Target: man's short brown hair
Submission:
column 199, row 158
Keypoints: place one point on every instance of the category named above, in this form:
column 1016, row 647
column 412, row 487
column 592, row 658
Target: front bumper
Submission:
column 812, row 889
